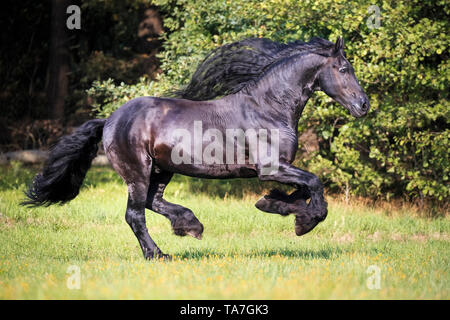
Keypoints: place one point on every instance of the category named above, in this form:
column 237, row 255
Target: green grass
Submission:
column 244, row 254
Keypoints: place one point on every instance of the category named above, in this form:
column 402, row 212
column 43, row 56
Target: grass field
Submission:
column 358, row 252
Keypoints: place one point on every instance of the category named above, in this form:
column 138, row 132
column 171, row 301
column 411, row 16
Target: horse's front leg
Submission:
column 307, row 216
column 283, row 204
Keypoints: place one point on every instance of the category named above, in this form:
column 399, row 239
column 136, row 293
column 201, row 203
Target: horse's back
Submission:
column 134, row 115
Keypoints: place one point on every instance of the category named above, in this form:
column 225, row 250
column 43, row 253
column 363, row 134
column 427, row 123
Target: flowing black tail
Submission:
column 66, row 167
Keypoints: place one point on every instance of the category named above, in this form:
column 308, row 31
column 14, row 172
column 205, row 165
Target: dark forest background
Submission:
column 46, row 68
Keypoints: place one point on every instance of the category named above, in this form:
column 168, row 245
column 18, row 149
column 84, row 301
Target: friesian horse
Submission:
column 259, row 86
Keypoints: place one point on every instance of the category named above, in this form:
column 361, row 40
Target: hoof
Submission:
column 281, row 203
column 183, row 227
column 198, row 236
column 266, row 204
column 159, row 256
column 165, row 257
column 273, row 203
column 303, row 226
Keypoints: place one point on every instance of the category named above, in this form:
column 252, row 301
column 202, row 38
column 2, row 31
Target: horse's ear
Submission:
column 339, row 46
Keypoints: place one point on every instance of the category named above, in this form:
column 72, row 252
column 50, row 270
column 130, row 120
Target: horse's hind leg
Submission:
column 136, row 174
column 182, row 219
column 135, row 217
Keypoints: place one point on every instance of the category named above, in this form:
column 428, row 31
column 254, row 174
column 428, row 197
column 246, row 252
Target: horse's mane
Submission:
column 230, row 68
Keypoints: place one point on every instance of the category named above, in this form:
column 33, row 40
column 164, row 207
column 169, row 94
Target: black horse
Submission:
column 264, row 88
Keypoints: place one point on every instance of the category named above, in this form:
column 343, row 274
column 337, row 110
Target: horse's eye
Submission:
column 342, row 69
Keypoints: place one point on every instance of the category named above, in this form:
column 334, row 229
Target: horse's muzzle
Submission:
column 361, row 108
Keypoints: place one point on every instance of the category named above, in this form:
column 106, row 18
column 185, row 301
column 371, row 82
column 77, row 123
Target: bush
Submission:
column 401, row 147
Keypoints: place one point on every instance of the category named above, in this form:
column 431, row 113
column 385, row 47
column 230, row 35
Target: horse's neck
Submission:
column 285, row 90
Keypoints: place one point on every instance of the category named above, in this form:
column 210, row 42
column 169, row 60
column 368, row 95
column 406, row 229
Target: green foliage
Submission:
column 401, row 147
column 107, row 96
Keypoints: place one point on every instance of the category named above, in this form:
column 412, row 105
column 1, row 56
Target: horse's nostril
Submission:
column 365, row 106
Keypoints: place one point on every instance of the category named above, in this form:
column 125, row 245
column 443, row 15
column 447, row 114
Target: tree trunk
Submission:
column 59, row 59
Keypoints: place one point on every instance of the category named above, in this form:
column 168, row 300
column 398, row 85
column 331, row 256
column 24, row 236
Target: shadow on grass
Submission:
column 307, row 254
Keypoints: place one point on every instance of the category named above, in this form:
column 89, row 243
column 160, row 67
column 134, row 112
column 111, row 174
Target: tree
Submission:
column 58, row 69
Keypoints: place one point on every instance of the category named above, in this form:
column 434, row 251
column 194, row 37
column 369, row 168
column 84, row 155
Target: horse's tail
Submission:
column 66, row 167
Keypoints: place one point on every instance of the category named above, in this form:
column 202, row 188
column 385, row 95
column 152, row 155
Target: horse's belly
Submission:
column 213, row 171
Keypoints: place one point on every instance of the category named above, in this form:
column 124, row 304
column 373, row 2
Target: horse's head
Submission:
column 337, row 79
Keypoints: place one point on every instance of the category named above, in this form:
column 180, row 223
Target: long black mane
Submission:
column 230, row 68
